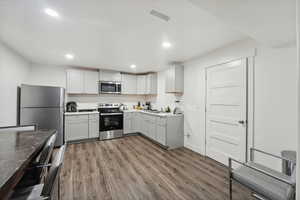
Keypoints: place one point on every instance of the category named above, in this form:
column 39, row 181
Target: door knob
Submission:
column 241, row 122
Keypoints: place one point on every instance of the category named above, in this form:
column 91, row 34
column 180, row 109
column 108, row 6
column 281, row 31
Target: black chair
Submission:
column 37, row 169
column 47, row 190
column 18, row 128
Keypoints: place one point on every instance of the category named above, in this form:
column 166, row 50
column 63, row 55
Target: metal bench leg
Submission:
column 230, row 188
column 230, row 178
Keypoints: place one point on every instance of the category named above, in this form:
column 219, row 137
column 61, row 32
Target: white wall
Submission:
column 48, row 75
column 13, row 71
column 275, row 124
column 162, row 99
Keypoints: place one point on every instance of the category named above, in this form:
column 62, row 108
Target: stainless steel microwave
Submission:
column 110, row 87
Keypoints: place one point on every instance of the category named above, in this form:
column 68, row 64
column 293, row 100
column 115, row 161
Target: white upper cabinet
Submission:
column 91, row 79
column 75, row 81
column 81, row 81
column 147, row 84
column 174, row 79
column 129, row 83
column 151, row 83
column 109, row 75
column 141, row 84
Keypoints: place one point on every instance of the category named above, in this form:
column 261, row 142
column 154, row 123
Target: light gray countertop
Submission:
column 81, row 113
column 161, row 114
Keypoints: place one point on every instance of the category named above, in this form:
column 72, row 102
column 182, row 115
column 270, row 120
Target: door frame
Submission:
column 250, row 101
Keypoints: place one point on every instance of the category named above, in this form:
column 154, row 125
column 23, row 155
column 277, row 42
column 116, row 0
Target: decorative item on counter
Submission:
column 168, row 110
column 124, row 107
column 148, row 105
column 177, row 111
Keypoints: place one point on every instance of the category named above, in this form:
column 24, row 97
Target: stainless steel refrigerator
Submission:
column 43, row 106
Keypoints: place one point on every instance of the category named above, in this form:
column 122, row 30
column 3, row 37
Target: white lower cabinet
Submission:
column 161, row 134
column 167, row 131
column 79, row 127
column 127, row 123
column 152, row 127
column 93, row 125
column 135, row 122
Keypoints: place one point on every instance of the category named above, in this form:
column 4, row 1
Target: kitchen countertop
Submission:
column 162, row 114
column 17, row 149
column 81, row 113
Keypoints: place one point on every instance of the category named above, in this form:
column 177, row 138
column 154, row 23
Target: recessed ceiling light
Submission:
column 166, row 45
column 51, row 12
column 69, row 56
column 133, row 66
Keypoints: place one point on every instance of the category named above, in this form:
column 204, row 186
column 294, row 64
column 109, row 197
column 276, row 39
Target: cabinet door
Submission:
column 152, row 127
column 136, row 122
column 141, row 84
column 127, row 126
column 94, row 126
column 91, row 80
column 143, row 124
column 161, row 134
column 170, row 80
column 151, row 83
column 129, row 83
column 75, row 81
column 152, row 130
column 127, row 123
column 109, row 75
column 76, row 127
column 174, row 79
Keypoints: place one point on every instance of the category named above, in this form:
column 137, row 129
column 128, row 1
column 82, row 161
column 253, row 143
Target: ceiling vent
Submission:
column 160, row 15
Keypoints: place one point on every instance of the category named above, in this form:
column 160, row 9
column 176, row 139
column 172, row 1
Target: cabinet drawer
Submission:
column 128, row 115
column 162, row 121
column 93, row 116
column 77, row 118
column 152, row 119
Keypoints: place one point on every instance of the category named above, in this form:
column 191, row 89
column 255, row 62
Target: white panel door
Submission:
column 226, row 111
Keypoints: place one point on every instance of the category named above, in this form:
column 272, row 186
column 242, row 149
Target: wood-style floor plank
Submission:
column 133, row 168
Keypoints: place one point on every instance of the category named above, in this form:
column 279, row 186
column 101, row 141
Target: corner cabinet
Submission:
column 141, row 84
column 151, row 83
column 147, row 84
column 129, row 84
column 80, row 81
column 174, row 82
column 165, row 130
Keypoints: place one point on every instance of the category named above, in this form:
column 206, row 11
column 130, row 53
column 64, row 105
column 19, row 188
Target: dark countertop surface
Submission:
column 17, row 149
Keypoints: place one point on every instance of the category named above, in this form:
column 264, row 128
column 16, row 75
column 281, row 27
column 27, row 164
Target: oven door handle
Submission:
column 108, row 114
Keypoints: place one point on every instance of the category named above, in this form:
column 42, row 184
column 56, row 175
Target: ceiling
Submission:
column 112, row 34
column 270, row 22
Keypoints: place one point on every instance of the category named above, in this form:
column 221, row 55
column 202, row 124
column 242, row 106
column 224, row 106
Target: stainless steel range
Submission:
column 111, row 121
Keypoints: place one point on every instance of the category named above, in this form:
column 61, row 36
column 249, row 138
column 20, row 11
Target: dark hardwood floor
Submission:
column 134, row 168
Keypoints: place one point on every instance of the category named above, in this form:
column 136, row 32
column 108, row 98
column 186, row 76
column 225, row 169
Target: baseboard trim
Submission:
column 194, row 148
